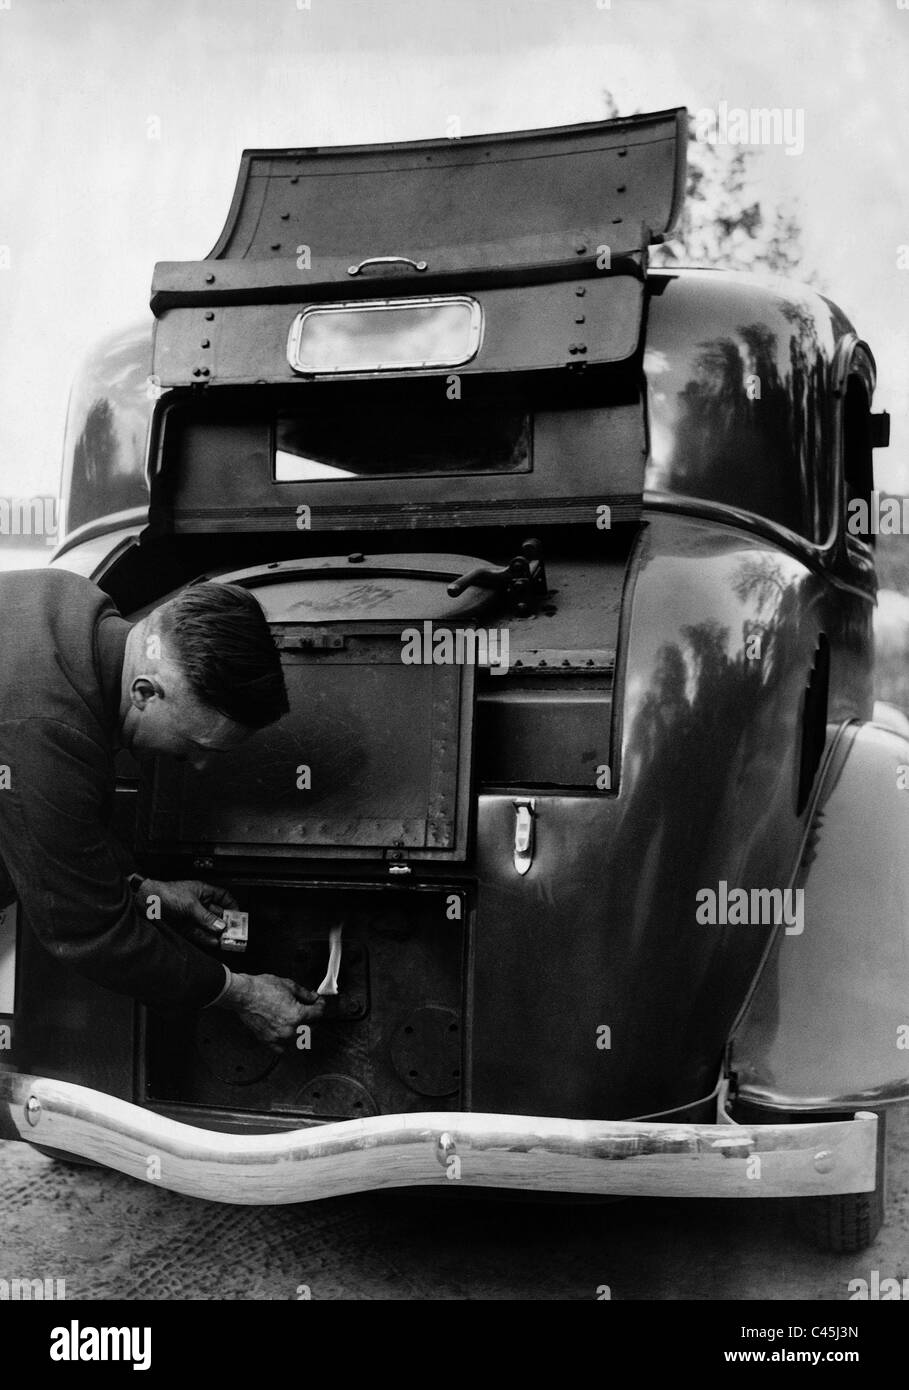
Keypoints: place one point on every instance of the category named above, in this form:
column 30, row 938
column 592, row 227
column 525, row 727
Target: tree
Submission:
column 723, row 223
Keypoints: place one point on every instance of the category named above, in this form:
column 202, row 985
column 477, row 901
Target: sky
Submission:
column 122, row 123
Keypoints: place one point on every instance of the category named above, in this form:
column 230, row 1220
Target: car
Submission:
column 582, row 775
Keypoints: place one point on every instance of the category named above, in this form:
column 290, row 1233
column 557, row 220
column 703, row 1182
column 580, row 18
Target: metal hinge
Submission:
column 524, row 834
column 395, row 863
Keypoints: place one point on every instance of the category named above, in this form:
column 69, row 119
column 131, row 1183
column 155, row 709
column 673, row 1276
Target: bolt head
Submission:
column 33, row 1110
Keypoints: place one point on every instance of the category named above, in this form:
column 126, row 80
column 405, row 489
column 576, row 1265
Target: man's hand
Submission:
column 271, row 1007
column 191, row 906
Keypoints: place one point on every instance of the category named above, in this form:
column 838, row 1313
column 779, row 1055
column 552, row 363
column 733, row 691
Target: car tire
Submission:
column 849, row 1221
column 66, row 1159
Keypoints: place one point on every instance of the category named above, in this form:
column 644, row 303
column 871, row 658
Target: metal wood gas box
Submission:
column 577, row 647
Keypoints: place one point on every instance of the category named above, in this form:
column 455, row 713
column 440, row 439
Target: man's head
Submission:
column 200, row 674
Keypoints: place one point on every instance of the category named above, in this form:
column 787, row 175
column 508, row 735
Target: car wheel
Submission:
column 849, row 1221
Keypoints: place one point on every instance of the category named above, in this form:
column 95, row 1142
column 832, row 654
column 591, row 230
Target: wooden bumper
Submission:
column 625, row 1158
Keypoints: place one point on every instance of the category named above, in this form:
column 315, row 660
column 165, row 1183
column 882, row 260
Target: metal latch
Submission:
column 523, row 834
column 523, row 579
column 308, row 640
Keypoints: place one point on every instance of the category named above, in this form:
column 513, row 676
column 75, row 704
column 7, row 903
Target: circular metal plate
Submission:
column 336, row 1096
column 426, row 1051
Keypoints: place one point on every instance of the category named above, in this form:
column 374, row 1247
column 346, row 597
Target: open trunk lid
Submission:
column 521, row 205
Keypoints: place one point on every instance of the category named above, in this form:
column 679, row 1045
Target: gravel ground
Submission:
column 112, row 1237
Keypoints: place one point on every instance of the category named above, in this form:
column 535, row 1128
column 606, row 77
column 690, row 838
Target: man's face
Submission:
column 165, row 716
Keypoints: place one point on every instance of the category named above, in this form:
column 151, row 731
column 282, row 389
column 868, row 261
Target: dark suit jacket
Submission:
column 61, row 658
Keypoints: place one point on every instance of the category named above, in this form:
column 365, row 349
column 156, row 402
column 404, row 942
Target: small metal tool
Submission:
column 330, row 984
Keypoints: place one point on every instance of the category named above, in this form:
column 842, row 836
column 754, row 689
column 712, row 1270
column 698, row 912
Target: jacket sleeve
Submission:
column 69, row 877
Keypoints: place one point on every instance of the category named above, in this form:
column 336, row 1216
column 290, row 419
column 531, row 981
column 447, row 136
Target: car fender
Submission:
column 827, row 1024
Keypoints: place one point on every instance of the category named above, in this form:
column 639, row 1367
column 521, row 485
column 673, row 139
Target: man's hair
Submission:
column 222, row 642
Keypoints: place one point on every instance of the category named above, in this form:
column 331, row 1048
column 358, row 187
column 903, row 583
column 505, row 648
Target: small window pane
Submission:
column 384, row 336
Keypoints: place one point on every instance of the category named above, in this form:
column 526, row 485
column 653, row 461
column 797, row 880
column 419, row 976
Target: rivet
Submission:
column 824, row 1161
column 206, row 342
column 197, row 371
column 582, row 347
column 580, row 318
column 580, row 291
column 209, row 315
column 33, row 1110
column 572, row 348
column 209, row 279
column 296, row 178
column 285, row 216
column 621, row 188
column 205, row 372
column 622, row 154
column 276, row 246
column 580, row 249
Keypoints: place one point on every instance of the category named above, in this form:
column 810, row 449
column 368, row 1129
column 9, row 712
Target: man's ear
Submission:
column 143, row 689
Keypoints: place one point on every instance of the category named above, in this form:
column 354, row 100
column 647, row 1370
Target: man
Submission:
column 191, row 680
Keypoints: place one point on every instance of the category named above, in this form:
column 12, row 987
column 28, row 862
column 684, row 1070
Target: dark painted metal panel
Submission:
column 107, row 423
column 537, row 737
column 218, row 474
column 386, row 751
column 531, row 328
column 740, row 405
column 602, row 930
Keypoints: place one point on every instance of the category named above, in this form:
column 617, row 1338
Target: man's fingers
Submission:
column 311, row 1011
column 307, row 996
column 210, row 920
column 220, row 897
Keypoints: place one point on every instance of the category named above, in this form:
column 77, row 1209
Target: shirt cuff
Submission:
column 221, row 993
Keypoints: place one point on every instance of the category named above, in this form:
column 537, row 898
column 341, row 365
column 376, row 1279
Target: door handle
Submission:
column 524, row 834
